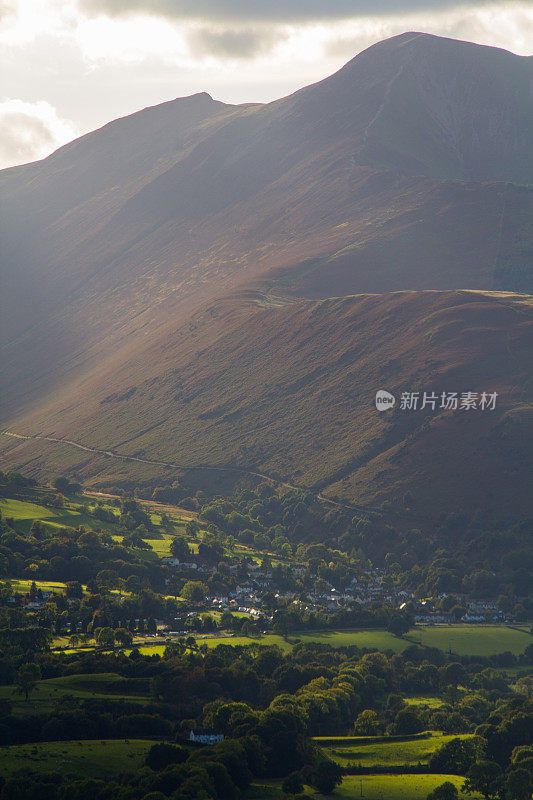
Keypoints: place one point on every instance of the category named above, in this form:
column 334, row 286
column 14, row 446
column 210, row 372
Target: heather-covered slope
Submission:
column 289, row 389
column 409, row 169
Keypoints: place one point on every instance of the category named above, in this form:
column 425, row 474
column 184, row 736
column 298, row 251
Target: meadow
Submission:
column 93, row 758
column 377, row 638
column 475, row 640
column 368, row 787
column 471, row 640
column 53, row 692
column 386, row 754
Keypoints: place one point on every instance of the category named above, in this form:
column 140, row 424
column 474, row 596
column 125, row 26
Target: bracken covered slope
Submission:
column 288, row 389
column 128, row 255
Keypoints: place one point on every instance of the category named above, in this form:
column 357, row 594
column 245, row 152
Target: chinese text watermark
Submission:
column 438, row 401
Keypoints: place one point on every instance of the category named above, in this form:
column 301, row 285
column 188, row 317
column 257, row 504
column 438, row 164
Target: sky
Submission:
column 70, row 66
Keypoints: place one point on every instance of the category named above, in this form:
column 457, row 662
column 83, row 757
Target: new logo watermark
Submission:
column 384, row 400
column 437, row 401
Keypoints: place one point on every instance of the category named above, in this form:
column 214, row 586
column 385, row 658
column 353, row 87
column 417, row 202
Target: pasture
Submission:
column 53, row 692
column 474, row 640
column 367, row 787
column 93, row 758
column 415, row 751
column 371, row 639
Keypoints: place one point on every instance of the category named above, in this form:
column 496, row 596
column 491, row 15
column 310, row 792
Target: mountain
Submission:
column 162, row 246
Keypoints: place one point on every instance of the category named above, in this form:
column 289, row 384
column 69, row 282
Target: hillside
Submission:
column 129, row 255
column 289, row 389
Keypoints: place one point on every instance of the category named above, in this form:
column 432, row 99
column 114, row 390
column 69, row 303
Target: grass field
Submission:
column 475, row 640
column 429, row 702
column 96, row 759
column 378, row 639
column 24, row 513
column 51, row 692
column 387, row 754
column 393, row 787
column 468, row 640
column 23, row 586
column 214, row 641
column 368, row 787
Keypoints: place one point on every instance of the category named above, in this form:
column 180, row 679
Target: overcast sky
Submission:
column 69, row 66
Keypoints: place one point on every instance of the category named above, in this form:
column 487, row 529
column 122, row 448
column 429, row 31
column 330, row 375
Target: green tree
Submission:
column 293, row 783
column 518, row 785
column 123, row 636
column 483, row 777
column 446, row 791
column 105, row 636
column 367, row 723
column 26, row 680
column 455, row 757
column 327, row 776
column 179, row 548
column 194, row 591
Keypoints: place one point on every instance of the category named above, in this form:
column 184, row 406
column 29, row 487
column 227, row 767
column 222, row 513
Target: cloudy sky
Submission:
column 69, row 66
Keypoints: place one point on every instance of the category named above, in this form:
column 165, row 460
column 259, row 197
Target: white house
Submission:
column 205, row 736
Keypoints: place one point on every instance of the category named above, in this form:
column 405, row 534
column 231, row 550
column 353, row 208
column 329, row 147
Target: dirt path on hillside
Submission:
column 171, row 465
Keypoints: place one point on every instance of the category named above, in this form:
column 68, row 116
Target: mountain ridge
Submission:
column 124, row 239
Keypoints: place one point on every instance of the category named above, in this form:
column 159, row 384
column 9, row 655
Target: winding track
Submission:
column 171, row 465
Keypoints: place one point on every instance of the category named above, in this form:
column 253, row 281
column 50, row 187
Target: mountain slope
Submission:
column 409, row 169
column 289, row 389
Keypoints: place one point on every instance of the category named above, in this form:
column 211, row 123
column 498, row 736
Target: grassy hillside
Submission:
column 91, row 759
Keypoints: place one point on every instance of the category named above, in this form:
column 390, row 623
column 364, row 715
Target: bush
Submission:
column 446, row 791
column 161, row 755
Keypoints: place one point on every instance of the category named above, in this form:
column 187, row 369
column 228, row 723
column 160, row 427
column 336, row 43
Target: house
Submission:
column 203, row 736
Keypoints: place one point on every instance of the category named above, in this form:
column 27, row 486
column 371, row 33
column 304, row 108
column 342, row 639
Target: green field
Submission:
column 24, row 513
column 96, row 759
column 53, row 691
column 387, row 754
column 467, row 640
column 475, row 640
column 378, row 639
column 214, row 641
column 368, row 787
column 23, row 586
column 429, row 702
column 393, row 787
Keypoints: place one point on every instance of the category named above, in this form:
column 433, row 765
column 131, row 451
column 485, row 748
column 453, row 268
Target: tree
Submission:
column 483, row 777
column 161, row 755
column 327, row 775
column 61, row 484
column 192, row 528
column 179, row 548
column 407, row 722
column 105, row 636
column 399, row 623
column 26, row 680
column 123, row 636
column 455, row 757
column 194, row 591
column 367, row 723
column 293, row 783
column 519, row 785
column 446, row 791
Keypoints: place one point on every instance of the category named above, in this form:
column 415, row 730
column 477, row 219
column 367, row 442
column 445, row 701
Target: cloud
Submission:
column 29, row 131
column 285, row 11
column 233, row 43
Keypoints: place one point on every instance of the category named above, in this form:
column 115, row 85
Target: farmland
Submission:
column 51, row 693
column 96, row 759
column 385, row 754
column 475, row 640
column 368, row 787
